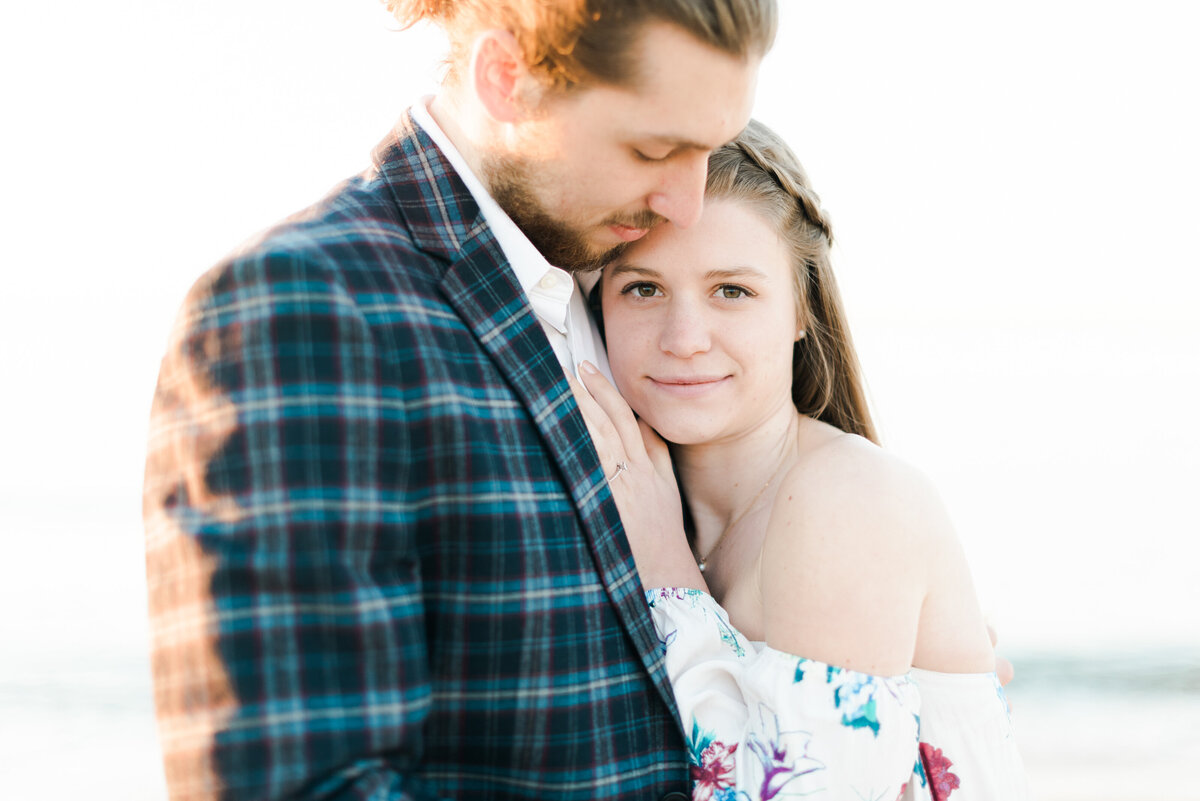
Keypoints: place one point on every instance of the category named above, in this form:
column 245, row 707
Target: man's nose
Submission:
column 680, row 195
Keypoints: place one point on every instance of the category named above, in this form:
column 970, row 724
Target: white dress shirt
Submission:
column 553, row 294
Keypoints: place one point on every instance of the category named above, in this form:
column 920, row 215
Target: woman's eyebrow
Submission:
column 722, row 273
column 621, row 269
column 736, row 272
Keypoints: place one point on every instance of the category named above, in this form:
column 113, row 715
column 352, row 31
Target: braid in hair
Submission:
column 794, row 181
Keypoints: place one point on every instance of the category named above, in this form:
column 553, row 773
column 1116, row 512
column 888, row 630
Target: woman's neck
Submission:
column 721, row 479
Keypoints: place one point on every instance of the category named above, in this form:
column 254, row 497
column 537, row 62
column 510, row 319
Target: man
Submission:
column 382, row 555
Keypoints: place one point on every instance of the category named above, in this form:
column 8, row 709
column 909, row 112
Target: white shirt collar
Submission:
column 548, row 288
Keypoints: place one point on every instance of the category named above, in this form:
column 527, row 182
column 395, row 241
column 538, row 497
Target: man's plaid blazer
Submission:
column 383, row 560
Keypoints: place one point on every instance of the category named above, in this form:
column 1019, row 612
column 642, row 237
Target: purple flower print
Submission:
column 779, row 769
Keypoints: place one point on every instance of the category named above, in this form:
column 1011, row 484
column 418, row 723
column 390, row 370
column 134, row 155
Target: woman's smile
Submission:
column 689, row 386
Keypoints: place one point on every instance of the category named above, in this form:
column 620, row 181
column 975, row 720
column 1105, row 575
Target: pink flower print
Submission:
column 678, row 593
column 715, row 771
column 937, row 769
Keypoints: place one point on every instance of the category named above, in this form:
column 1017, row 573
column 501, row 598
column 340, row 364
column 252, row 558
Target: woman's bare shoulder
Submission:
column 846, row 561
column 860, row 489
column 862, row 565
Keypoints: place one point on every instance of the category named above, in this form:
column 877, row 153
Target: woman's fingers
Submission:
column 587, row 404
column 656, row 449
column 604, row 435
column 1004, row 668
column 615, row 409
column 644, row 489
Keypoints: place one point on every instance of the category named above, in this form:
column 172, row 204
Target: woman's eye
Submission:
column 734, row 292
column 640, row 289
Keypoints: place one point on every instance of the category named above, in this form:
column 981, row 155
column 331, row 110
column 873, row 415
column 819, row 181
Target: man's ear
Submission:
column 499, row 75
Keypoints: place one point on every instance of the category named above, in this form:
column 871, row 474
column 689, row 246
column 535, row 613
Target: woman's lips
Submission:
column 689, row 387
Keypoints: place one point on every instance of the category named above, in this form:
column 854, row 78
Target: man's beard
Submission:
column 562, row 245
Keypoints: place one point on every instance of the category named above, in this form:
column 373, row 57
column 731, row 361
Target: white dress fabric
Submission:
column 763, row 724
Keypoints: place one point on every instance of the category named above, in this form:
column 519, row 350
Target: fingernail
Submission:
column 588, row 367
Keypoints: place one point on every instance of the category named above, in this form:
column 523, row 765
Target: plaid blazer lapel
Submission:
column 445, row 220
column 488, row 298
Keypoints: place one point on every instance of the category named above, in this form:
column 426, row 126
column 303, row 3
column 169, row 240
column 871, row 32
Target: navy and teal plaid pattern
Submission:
column 383, row 561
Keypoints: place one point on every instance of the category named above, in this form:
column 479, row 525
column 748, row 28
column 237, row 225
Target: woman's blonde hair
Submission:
column 759, row 169
column 575, row 43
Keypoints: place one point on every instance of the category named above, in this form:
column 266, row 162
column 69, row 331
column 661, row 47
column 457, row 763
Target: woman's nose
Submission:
column 685, row 332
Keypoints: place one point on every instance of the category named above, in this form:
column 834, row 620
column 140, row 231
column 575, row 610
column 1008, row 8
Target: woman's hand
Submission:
column 645, row 490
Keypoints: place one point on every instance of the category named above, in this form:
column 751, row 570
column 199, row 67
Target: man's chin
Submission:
column 579, row 254
column 563, row 245
column 602, row 256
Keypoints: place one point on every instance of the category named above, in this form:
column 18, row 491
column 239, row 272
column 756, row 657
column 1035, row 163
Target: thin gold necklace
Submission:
column 702, row 562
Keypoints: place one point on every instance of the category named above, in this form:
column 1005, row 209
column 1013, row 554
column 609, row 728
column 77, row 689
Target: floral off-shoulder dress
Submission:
column 764, row 724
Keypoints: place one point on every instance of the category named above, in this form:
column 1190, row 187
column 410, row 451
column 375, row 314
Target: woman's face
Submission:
column 700, row 324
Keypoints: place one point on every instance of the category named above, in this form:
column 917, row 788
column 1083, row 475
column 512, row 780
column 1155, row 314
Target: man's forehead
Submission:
column 693, row 96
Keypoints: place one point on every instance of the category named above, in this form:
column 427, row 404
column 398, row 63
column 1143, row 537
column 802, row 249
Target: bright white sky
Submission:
column 1013, row 187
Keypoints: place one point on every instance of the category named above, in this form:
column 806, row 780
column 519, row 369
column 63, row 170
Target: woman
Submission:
column 821, row 630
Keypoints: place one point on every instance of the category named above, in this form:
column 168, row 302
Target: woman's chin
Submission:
column 678, row 432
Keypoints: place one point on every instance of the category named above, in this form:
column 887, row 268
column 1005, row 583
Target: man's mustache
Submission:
column 642, row 219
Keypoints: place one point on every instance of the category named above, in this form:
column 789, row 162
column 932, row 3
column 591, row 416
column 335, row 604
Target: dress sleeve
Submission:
column 967, row 749
column 762, row 724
